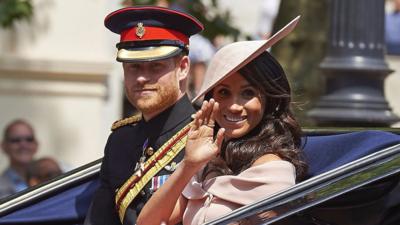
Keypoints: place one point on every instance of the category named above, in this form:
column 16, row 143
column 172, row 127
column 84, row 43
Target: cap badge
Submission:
column 140, row 30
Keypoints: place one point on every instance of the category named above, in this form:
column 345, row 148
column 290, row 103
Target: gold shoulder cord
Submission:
column 126, row 121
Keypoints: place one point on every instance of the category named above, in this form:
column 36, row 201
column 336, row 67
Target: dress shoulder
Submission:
column 126, row 121
column 267, row 178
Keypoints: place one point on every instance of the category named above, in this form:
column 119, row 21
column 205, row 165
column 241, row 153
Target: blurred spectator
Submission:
column 201, row 51
column 42, row 170
column 20, row 145
column 269, row 11
column 392, row 29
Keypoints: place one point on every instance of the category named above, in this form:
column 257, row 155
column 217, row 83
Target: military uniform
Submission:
column 124, row 149
column 140, row 155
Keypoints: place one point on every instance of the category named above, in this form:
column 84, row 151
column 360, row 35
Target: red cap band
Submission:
column 152, row 33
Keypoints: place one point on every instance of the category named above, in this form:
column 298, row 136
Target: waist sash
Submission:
column 162, row 157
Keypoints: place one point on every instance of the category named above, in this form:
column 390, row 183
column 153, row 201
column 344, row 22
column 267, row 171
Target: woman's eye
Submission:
column 223, row 92
column 249, row 93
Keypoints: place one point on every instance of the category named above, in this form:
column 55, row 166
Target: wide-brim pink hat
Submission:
column 232, row 57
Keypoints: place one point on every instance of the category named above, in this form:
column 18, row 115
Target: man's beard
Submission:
column 164, row 97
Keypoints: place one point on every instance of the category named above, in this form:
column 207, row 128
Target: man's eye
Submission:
column 249, row 93
column 157, row 67
column 133, row 67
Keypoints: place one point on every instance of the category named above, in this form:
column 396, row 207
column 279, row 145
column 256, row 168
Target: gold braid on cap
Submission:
column 126, row 121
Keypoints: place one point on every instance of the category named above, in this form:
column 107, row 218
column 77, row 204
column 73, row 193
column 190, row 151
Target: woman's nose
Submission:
column 236, row 107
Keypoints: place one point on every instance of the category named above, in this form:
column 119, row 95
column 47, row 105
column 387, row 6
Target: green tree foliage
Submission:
column 13, row 10
column 216, row 20
column 302, row 51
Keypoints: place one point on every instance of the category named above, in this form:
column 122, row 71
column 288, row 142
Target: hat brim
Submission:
column 146, row 54
column 234, row 56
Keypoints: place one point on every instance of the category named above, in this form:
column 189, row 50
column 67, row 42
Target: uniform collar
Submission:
column 169, row 118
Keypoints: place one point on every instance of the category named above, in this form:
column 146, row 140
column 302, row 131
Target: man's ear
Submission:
column 184, row 66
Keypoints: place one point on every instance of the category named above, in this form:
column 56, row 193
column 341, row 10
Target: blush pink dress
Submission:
column 218, row 196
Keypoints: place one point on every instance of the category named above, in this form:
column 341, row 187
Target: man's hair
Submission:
column 10, row 125
column 179, row 56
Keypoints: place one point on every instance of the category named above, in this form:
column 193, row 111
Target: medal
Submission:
column 157, row 181
column 149, row 151
column 142, row 159
column 171, row 167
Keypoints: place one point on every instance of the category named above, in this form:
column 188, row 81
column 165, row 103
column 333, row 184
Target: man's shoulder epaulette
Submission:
column 126, row 121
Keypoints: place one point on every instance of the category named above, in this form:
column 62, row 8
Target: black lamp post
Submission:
column 355, row 67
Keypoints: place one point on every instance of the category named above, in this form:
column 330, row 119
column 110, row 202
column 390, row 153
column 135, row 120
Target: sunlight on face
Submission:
column 240, row 106
column 152, row 86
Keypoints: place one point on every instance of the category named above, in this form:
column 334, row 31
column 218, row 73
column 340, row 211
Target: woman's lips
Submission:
column 234, row 118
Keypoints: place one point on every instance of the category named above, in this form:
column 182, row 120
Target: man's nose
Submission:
column 142, row 79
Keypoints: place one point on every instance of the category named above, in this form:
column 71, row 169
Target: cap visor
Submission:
column 147, row 53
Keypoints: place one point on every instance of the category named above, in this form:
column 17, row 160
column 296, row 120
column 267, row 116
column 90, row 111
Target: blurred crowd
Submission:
column 20, row 145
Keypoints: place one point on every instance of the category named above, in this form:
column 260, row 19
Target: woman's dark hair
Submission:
column 278, row 132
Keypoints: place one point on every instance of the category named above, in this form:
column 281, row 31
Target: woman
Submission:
column 243, row 141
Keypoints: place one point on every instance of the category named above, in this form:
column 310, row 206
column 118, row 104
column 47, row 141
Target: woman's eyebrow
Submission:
column 243, row 86
column 223, row 85
column 246, row 85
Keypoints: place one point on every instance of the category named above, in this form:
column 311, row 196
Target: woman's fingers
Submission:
column 219, row 139
column 214, row 109
column 196, row 122
column 203, row 112
column 204, row 109
column 206, row 114
column 207, row 111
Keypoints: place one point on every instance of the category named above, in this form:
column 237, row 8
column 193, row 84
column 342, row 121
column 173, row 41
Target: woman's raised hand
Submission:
column 201, row 146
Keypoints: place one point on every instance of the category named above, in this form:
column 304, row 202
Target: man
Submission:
column 20, row 145
column 141, row 153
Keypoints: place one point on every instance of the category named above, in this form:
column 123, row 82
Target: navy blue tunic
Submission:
column 123, row 150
